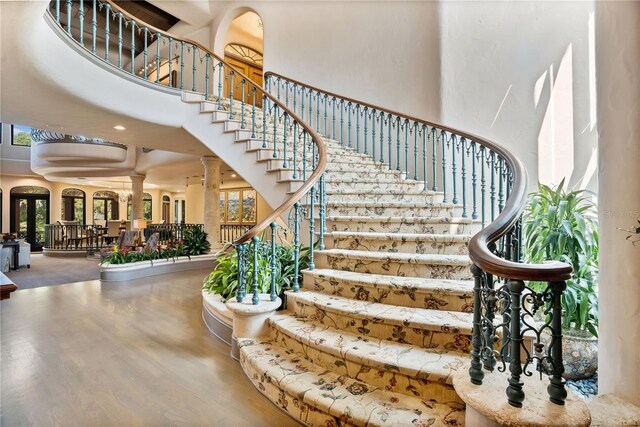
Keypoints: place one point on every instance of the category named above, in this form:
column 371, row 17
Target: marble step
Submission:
column 441, row 244
column 455, row 267
column 400, row 224
column 386, row 196
column 400, row 368
column 315, row 396
column 433, row 329
column 394, row 209
column 436, row 294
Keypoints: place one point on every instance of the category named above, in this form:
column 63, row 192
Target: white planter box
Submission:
column 136, row 270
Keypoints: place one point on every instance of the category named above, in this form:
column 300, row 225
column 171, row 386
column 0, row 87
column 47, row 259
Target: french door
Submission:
column 29, row 214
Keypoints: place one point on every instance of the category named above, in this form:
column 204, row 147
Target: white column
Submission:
column 618, row 62
column 137, row 211
column 212, row 198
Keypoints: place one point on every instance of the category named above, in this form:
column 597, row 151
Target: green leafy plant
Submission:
column 562, row 225
column 195, row 241
column 223, row 280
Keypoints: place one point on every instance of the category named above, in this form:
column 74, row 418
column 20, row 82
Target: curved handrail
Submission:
column 319, row 142
column 479, row 246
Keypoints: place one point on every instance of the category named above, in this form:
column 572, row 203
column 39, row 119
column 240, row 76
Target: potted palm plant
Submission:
column 562, row 225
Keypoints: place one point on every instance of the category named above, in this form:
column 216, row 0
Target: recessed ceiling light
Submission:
column 119, row 127
column 233, row 175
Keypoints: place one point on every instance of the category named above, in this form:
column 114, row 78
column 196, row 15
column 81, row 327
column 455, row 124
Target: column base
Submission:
column 250, row 321
column 487, row 404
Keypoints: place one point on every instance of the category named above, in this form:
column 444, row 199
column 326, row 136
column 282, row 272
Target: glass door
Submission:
column 30, row 214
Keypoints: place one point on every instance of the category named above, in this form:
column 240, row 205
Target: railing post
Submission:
column 254, row 286
column 240, row 294
column 194, row 50
column 243, row 124
column 231, row 88
column 253, row 112
column 106, row 31
column 475, row 370
column 145, row 56
column 133, row 47
column 463, row 171
column 119, row 39
column 69, row 17
column 296, row 247
column 515, row 394
column 274, row 265
column 206, row 76
column 94, row 26
column 82, row 22
column 170, row 58
column 556, row 388
column 58, row 11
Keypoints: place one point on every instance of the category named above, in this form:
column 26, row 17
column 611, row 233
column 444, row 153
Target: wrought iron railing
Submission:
column 490, row 184
column 168, row 233
column 231, row 232
column 45, row 137
column 296, row 151
column 76, row 237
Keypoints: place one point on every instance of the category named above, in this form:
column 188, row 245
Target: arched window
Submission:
column 73, row 202
column 147, row 207
column 105, row 206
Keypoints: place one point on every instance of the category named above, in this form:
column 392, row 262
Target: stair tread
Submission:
column 416, row 192
column 391, row 204
column 353, row 401
column 410, row 360
column 442, row 286
column 409, row 317
column 403, row 219
column 412, row 258
column 371, row 235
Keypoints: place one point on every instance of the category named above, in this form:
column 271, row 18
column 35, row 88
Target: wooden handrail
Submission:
column 479, row 251
column 322, row 151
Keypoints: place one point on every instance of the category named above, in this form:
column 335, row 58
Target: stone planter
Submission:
column 137, row 270
column 580, row 356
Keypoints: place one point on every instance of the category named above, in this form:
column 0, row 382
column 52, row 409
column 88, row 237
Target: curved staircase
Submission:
column 391, row 305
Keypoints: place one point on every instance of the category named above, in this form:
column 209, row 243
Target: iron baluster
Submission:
column 415, row 151
column 284, row 139
column 492, row 192
column 454, row 169
column 407, row 130
column 349, row 123
column 443, row 137
column 374, row 117
column 389, row 143
column 82, row 22
column 220, row 78
column 133, row 47
column 194, row 50
column 240, row 294
column 107, row 8
column 515, row 394
column 501, row 178
column 366, row 130
column 254, row 286
column 434, row 158
column 295, row 146
column 94, row 26
column 424, row 156
column 341, row 122
column 474, row 181
column 275, row 131
column 206, row 77
column 232, row 74
column 296, row 247
column 381, row 137
column 253, row 111
column 463, row 171
column 556, row 388
column 476, row 372
column 274, row 265
column 398, row 143
column 333, row 118
column 243, row 124
column 58, row 11
column 119, row 39
column 324, row 105
column 264, row 121
column 69, row 17
column 322, row 209
column 318, row 112
column 171, row 82
column 358, row 113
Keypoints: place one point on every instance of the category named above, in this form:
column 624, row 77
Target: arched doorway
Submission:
column 244, row 50
column 73, row 203
column 29, row 214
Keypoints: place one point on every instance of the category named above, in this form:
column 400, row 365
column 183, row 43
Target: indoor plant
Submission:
column 195, row 241
column 562, row 225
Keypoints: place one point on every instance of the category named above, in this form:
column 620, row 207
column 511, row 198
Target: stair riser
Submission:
column 445, row 338
column 365, row 175
column 292, row 405
column 409, row 246
column 375, row 198
column 405, row 226
column 391, row 211
column 384, row 379
column 403, row 296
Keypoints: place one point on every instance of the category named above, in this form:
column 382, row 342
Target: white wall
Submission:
column 385, row 53
column 523, row 75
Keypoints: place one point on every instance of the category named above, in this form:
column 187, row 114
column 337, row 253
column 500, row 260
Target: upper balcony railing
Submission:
column 46, row 137
column 490, row 184
column 135, row 48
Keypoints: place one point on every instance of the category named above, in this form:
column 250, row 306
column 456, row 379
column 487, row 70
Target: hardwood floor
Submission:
column 131, row 353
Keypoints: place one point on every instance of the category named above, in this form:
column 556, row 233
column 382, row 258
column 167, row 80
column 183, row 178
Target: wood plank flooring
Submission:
column 121, row 354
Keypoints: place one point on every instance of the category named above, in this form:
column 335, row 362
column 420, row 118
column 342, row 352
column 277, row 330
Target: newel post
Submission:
column 515, row 394
column 556, row 389
column 476, row 372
